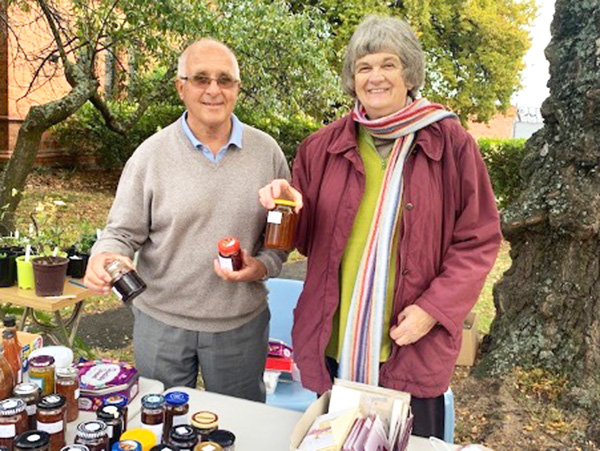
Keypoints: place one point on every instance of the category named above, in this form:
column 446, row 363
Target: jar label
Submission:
column 179, row 420
column 109, row 430
column 8, row 430
column 226, row 263
column 37, row 381
column 31, row 409
column 76, row 393
column 156, row 428
column 119, row 295
column 274, row 217
column 51, row 428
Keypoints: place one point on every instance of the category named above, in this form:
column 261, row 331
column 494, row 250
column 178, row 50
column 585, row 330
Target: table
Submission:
column 64, row 330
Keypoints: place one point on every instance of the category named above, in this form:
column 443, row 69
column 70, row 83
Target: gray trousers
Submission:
column 231, row 362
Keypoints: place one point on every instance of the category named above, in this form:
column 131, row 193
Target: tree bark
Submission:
column 548, row 302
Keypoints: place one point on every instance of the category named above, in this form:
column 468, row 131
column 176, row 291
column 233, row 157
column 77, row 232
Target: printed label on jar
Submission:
column 31, row 409
column 109, row 430
column 117, row 294
column 156, row 428
column 226, row 263
column 51, row 428
column 76, row 393
column 8, row 430
column 179, row 420
column 38, row 381
column 274, row 217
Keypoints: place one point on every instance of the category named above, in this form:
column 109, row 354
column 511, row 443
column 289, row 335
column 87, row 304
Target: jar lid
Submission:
column 153, row 401
column 289, row 203
column 91, row 429
column 183, row 432
column 11, row 406
column 69, row 371
column 127, row 445
column 162, row 447
column 75, row 448
column 116, row 400
column 228, row 245
column 41, row 361
column 145, row 437
column 27, row 388
column 8, row 333
column 208, row 446
column 177, row 398
column 9, row 321
column 32, row 440
column 222, row 437
column 205, row 420
column 50, row 402
column 111, row 412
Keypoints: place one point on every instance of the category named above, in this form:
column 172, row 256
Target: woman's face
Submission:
column 379, row 84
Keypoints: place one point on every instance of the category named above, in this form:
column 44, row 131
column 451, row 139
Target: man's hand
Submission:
column 252, row 270
column 279, row 189
column 413, row 324
column 96, row 277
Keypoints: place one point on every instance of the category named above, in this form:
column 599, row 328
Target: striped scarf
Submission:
column 362, row 339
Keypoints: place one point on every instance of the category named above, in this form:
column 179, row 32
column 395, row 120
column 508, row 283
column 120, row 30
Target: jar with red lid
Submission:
column 230, row 254
column 13, row 420
column 32, row 441
column 153, row 414
column 51, row 418
column 67, row 384
column 281, row 225
column 30, row 393
column 41, row 372
column 93, row 435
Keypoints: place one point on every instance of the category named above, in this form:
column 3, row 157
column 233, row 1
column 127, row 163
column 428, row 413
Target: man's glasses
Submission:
column 203, row 81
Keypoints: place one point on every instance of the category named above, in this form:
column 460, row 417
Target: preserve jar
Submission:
column 41, row 372
column 205, row 422
column 126, row 283
column 67, row 384
column 127, row 445
column 182, row 437
column 153, row 414
column 230, row 254
column 208, row 446
column 93, row 435
column 12, row 352
column 13, row 420
column 177, row 408
column 30, row 393
column 281, row 225
column 112, row 416
column 224, row 438
column 121, row 402
column 7, row 380
column 51, row 418
column 32, row 441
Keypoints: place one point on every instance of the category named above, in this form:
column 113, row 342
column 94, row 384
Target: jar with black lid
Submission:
column 183, row 437
column 126, row 283
column 121, row 402
column 30, row 393
column 93, row 435
column 224, row 438
column 52, row 418
column 153, row 414
column 205, row 422
column 177, row 408
column 112, row 416
column 13, row 420
column 32, row 441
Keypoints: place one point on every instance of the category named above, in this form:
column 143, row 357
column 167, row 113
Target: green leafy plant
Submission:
column 49, row 233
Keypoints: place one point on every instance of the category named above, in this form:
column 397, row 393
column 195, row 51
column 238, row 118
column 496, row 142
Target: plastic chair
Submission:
column 449, row 416
column 283, row 296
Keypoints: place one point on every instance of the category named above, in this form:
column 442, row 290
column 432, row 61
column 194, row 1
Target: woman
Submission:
column 399, row 224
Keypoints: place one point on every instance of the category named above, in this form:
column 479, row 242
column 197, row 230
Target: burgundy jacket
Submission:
column 449, row 239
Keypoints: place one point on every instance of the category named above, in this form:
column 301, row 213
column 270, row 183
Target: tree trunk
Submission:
column 548, row 303
column 39, row 119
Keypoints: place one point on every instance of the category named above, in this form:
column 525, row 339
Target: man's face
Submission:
column 211, row 104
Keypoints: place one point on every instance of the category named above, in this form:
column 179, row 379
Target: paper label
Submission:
column 31, row 410
column 38, row 381
column 117, row 294
column 51, row 428
column 274, row 217
column 109, row 431
column 76, row 393
column 156, row 428
column 226, row 263
column 178, row 420
column 8, row 430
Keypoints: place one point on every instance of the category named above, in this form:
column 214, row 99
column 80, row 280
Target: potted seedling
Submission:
column 10, row 248
column 79, row 255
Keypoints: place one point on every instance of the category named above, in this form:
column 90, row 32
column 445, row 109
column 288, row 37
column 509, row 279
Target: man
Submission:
column 185, row 188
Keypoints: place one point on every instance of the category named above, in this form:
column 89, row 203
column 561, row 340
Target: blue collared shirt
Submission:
column 235, row 139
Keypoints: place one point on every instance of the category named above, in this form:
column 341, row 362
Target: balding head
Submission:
column 199, row 47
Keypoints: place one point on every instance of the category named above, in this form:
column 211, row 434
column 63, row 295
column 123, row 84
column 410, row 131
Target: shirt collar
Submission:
column 235, row 138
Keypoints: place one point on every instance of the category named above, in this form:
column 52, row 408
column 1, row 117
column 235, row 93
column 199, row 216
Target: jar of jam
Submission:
column 12, row 353
column 32, row 441
column 205, row 422
column 7, row 381
column 93, row 435
column 13, row 420
column 208, row 446
column 281, row 225
column 127, row 445
column 177, row 408
column 41, row 372
column 230, row 254
column 126, row 283
column 183, row 437
column 224, row 438
column 51, row 418
column 153, row 414
column 121, row 402
column 67, row 384
column 30, row 393
column 112, row 416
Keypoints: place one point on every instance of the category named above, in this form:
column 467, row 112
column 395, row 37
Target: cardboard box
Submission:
column 470, row 341
column 318, row 407
column 29, row 342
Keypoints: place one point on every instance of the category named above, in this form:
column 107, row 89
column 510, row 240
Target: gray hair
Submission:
column 386, row 34
column 182, row 60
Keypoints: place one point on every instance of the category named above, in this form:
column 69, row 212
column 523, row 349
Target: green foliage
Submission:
column 503, row 158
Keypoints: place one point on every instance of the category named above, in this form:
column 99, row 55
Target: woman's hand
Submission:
column 279, row 189
column 413, row 324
